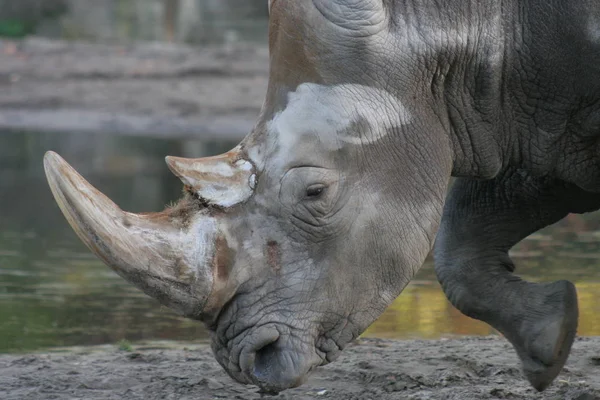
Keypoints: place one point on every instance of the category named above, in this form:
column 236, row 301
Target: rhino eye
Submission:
column 314, row 191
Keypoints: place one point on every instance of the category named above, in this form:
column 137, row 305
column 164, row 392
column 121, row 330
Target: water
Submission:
column 54, row 292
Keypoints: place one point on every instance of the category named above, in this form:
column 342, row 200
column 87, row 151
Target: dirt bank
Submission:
column 468, row 368
column 140, row 89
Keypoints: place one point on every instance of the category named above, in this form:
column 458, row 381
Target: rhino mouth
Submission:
column 274, row 356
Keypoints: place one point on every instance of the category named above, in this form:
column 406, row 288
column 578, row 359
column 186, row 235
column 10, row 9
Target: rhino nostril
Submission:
column 266, row 361
column 258, row 341
column 273, row 362
column 277, row 367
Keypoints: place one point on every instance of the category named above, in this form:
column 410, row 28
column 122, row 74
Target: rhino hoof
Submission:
column 550, row 344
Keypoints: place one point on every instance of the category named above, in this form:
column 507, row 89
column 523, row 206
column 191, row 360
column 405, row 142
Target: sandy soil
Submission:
column 144, row 88
column 467, row 368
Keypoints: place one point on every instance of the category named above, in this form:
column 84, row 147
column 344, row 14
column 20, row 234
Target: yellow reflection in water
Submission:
column 424, row 312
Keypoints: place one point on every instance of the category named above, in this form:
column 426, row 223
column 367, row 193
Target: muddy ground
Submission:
column 467, row 368
column 155, row 89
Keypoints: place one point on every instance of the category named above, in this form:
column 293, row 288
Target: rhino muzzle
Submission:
column 173, row 256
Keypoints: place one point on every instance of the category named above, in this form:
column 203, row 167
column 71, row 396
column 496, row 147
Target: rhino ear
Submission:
column 360, row 17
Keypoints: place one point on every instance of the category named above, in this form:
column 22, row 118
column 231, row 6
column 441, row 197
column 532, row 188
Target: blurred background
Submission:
column 189, row 21
column 114, row 86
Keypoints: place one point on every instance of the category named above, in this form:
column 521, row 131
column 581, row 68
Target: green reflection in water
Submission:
column 54, row 292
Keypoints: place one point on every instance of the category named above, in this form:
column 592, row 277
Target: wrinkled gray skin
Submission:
column 372, row 106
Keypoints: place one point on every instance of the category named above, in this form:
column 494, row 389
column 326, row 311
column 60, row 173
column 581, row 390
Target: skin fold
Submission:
column 289, row 246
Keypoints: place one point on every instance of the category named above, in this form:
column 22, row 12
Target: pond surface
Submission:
column 54, row 292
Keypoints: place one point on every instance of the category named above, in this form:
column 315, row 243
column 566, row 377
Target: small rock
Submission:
column 215, row 385
column 395, row 387
column 133, row 356
column 196, row 381
column 365, row 365
column 497, row 392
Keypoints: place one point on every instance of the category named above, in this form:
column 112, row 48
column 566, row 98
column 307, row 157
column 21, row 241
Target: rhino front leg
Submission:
column 482, row 220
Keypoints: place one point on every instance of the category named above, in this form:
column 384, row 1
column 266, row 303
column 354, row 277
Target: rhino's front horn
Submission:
column 169, row 255
column 223, row 181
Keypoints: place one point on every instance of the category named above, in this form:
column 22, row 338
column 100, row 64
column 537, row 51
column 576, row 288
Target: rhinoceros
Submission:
column 291, row 244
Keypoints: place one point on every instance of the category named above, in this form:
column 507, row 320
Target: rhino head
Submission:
column 289, row 246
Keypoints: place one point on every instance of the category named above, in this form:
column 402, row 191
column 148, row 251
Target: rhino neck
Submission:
column 463, row 50
column 505, row 76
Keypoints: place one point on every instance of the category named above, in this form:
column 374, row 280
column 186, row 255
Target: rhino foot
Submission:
column 547, row 340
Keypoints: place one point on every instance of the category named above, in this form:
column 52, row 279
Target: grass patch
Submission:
column 124, row 345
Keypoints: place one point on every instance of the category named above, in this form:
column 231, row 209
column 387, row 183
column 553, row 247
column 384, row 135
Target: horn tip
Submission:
column 51, row 157
column 172, row 164
column 52, row 161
